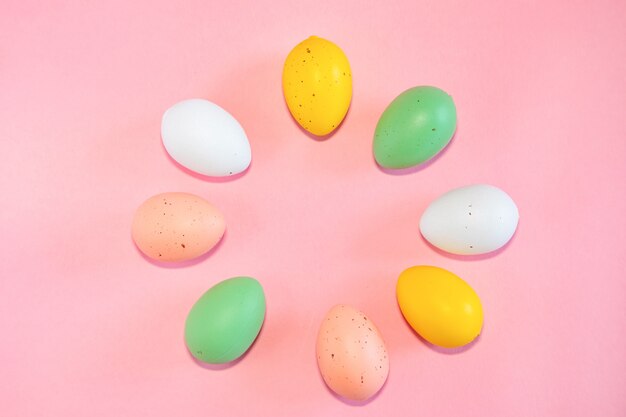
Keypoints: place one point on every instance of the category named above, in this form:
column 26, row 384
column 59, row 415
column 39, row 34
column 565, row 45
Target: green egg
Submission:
column 225, row 321
column 415, row 127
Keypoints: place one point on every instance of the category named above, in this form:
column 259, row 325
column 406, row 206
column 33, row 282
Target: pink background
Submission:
column 90, row 327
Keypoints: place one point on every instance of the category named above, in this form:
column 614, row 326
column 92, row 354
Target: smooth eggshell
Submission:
column 222, row 325
column 317, row 84
column 439, row 306
column 470, row 220
column 175, row 227
column 415, row 127
column 205, row 138
column 351, row 354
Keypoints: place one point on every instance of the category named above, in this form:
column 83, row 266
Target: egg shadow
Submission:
column 470, row 258
column 217, row 367
column 416, row 168
column 227, row 365
column 313, row 136
column 183, row 264
column 201, row 177
column 446, row 351
column 353, row 403
column 453, row 351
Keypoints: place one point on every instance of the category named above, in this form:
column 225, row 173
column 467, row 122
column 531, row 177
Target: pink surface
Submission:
column 90, row 327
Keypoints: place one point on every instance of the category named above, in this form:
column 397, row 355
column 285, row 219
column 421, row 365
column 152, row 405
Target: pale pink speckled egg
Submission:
column 351, row 354
column 174, row 227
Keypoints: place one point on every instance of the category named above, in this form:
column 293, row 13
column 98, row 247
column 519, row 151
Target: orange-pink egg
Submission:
column 174, row 227
column 351, row 354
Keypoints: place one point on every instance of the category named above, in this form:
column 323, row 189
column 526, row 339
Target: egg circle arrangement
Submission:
column 417, row 125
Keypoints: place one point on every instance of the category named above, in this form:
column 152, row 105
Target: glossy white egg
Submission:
column 205, row 138
column 470, row 220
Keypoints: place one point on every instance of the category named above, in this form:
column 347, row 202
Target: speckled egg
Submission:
column 470, row 220
column 205, row 138
column 317, row 84
column 226, row 320
column 415, row 127
column 351, row 354
column 174, row 227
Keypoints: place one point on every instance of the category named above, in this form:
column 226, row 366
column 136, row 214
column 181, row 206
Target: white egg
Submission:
column 205, row 138
column 470, row 220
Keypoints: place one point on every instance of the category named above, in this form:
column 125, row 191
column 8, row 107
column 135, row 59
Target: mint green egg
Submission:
column 225, row 321
column 415, row 127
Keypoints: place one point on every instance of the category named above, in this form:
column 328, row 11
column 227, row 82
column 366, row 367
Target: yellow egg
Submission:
column 317, row 84
column 439, row 306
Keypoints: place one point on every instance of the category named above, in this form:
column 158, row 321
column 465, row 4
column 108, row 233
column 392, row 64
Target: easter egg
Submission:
column 225, row 321
column 351, row 354
column 205, row 138
column 173, row 227
column 317, row 84
column 414, row 128
column 439, row 306
column 470, row 220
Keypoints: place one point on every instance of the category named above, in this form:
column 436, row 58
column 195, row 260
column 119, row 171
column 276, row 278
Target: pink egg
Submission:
column 351, row 354
column 174, row 227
